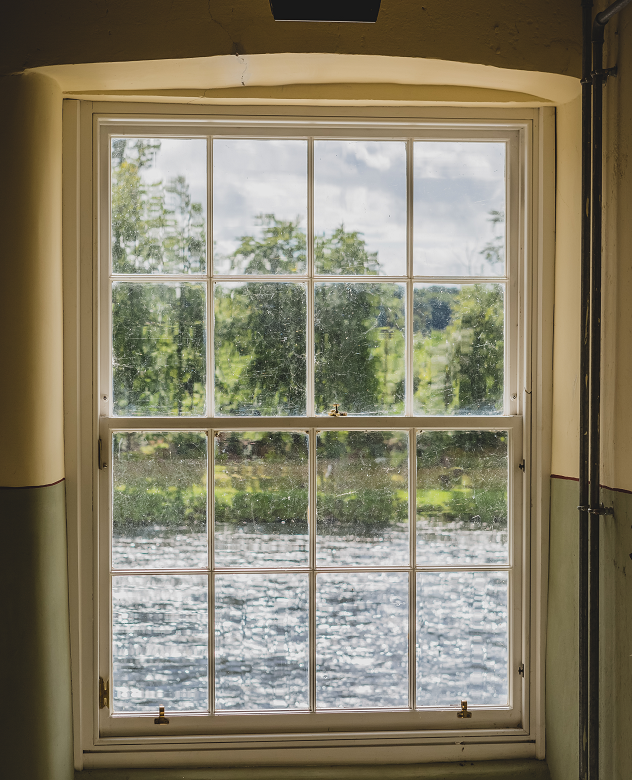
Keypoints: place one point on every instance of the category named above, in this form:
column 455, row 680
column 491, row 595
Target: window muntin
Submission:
column 398, row 327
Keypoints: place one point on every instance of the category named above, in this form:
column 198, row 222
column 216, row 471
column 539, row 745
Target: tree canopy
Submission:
column 160, row 329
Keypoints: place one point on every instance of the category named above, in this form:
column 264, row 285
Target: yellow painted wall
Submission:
column 31, row 385
column 617, row 310
column 524, row 34
column 565, row 445
column 616, row 412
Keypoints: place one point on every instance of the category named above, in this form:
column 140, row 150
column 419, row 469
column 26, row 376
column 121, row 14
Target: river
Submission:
column 261, row 636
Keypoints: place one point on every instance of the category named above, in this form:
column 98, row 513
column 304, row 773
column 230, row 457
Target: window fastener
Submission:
column 335, row 413
column 521, row 670
column 464, row 713
column 161, row 717
column 102, row 465
column 104, row 693
column 522, row 466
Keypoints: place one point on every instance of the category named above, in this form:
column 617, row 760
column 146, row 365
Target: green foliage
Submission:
column 362, row 479
column 156, row 228
column 270, row 506
column 476, row 353
column 282, row 249
column 159, row 482
column 347, row 345
column 159, row 356
column 260, row 346
column 459, row 349
column 344, row 252
column 158, row 348
column 463, row 475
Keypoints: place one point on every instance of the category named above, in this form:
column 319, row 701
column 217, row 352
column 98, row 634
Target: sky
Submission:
column 358, row 184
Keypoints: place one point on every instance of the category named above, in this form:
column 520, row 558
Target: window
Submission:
column 311, row 495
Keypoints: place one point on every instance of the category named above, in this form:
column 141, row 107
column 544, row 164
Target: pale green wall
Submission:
column 561, row 654
column 36, row 729
column 616, row 635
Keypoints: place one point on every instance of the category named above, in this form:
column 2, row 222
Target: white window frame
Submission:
column 101, row 740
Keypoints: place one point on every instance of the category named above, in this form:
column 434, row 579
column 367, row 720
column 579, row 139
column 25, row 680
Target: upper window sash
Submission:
column 415, row 283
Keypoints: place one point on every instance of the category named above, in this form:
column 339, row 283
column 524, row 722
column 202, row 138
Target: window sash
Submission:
column 257, row 130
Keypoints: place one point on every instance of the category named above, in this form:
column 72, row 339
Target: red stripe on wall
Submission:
column 603, row 487
column 29, row 487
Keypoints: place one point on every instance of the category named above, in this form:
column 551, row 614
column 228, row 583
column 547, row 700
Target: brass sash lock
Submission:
column 464, row 712
column 161, row 717
column 335, row 413
column 104, row 693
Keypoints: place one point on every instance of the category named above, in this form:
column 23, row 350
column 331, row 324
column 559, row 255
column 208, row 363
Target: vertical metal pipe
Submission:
column 595, row 398
column 584, row 392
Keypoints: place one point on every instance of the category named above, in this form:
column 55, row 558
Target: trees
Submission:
column 156, row 226
column 158, row 330
column 260, row 327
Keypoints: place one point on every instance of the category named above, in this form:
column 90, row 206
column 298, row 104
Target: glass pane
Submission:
column 159, row 349
column 261, row 641
column 362, row 640
column 459, row 208
column 458, row 342
column 360, row 207
column 259, row 206
column 260, row 348
column 261, row 483
column 462, row 638
column 160, row 643
column 359, row 345
column 362, row 498
column 462, row 497
column 158, row 205
column 159, row 500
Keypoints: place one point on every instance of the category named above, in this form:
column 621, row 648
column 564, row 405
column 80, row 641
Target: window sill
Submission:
column 396, row 751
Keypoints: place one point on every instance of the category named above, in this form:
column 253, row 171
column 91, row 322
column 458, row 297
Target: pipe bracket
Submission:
column 601, row 74
column 598, row 510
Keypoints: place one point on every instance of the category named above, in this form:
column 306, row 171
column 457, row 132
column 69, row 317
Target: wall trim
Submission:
column 601, row 485
column 29, row 487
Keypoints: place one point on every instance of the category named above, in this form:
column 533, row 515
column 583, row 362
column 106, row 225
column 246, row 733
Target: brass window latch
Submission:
column 335, row 413
column 161, row 717
column 104, row 693
column 102, row 465
column 464, row 711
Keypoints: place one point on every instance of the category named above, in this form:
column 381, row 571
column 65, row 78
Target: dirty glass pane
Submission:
column 261, row 642
column 259, row 206
column 462, row 645
column 462, row 497
column 159, row 349
column 160, row 643
column 261, row 500
column 360, row 207
column 159, row 500
column 362, row 498
column 459, row 208
column 362, row 640
column 260, row 348
column 158, row 205
column 359, row 346
column 458, row 343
